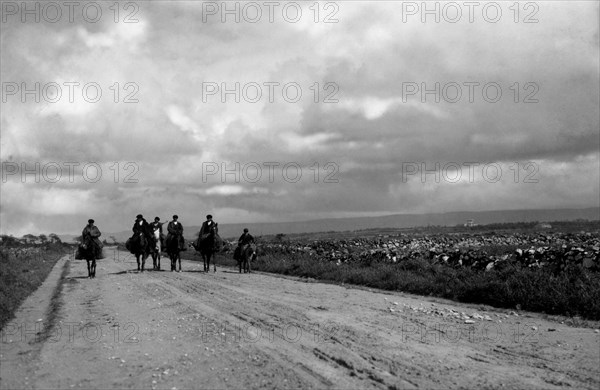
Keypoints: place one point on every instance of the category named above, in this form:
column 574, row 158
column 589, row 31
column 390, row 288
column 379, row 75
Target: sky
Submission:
column 290, row 111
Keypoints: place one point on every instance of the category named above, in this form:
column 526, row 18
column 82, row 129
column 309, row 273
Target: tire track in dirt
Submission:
column 389, row 365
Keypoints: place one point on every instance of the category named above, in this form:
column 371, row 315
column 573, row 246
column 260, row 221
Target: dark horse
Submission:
column 90, row 251
column 207, row 245
column 141, row 246
column 174, row 251
column 246, row 257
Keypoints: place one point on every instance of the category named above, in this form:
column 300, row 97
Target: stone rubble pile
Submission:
column 480, row 251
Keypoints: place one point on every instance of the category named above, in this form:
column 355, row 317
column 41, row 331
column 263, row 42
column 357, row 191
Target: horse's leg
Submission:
column 137, row 259
column 144, row 256
column 214, row 263
column 158, row 261
column 93, row 268
column 89, row 269
column 179, row 259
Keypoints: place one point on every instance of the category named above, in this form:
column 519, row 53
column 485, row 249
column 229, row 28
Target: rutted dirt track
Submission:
column 126, row 329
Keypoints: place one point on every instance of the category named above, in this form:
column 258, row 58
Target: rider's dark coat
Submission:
column 89, row 236
column 245, row 239
column 143, row 228
column 205, row 229
column 175, row 228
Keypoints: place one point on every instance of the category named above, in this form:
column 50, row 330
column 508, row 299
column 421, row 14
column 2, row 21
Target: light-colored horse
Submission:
column 156, row 252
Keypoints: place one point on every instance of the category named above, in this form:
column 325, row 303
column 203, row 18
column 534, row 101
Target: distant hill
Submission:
column 390, row 221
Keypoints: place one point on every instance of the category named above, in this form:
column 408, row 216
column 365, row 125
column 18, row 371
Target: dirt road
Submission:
column 165, row 330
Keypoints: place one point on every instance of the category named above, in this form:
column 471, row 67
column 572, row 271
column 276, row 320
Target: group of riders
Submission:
column 151, row 234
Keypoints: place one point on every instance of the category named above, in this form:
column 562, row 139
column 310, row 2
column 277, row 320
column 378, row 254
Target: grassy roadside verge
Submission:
column 575, row 292
column 22, row 271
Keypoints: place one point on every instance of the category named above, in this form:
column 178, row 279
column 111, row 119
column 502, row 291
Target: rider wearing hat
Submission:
column 89, row 236
column 141, row 227
column 207, row 225
column 245, row 239
column 176, row 229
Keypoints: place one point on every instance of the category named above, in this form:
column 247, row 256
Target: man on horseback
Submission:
column 157, row 225
column 175, row 242
column 157, row 232
column 208, row 225
column 142, row 242
column 92, row 245
column 175, row 229
column 141, row 228
column 208, row 242
column 90, row 236
column 245, row 239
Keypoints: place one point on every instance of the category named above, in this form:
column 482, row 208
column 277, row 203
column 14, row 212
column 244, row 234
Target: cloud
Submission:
column 154, row 113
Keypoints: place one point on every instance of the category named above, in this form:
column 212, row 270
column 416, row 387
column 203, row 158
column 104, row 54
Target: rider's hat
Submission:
column 175, row 216
column 209, row 216
column 156, row 219
column 139, row 216
column 90, row 221
column 245, row 230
